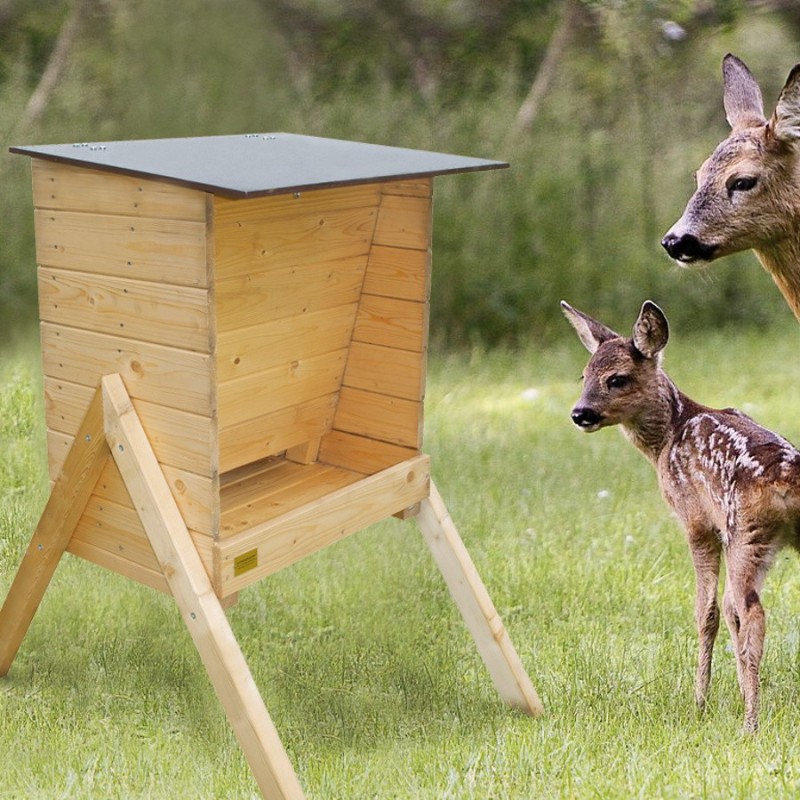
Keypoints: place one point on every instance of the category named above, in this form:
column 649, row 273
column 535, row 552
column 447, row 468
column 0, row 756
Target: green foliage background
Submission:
column 628, row 113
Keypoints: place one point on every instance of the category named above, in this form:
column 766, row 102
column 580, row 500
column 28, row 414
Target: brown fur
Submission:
column 727, row 214
column 734, row 485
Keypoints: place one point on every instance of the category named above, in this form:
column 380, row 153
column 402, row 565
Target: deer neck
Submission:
column 652, row 429
column 782, row 260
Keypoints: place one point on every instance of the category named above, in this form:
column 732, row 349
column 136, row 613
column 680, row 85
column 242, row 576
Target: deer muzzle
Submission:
column 587, row 419
column 687, row 248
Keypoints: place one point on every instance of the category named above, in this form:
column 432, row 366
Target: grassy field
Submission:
column 362, row 660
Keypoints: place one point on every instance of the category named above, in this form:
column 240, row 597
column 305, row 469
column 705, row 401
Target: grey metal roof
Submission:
column 250, row 165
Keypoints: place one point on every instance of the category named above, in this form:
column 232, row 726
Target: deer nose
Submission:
column 687, row 248
column 585, row 417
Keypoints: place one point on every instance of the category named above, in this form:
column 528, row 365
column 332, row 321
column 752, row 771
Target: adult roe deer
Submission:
column 748, row 190
column 734, row 485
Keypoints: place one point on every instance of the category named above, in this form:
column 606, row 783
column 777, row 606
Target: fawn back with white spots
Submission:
column 734, row 485
column 748, row 190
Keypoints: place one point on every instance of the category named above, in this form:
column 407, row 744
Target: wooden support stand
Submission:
column 233, row 383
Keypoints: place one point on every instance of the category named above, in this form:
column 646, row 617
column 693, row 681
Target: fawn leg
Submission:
column 747, row 567
column 705, row 551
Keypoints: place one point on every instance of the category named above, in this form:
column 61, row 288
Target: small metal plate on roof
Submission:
column 255, row 164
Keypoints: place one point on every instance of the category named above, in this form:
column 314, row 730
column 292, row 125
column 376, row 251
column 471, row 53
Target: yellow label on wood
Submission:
column 245, row 562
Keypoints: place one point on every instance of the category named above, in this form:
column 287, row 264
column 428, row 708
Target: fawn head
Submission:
column 746, row 193
column 621, row 378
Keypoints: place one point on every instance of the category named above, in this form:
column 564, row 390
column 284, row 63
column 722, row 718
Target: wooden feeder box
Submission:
column 234, row 334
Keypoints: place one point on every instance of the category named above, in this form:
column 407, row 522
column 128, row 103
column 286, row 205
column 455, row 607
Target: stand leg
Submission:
column 68, row 499
column 195, row 596
column 475, row 605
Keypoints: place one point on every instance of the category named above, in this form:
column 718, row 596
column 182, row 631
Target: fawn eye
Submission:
column 741, row 184
column 618, row 381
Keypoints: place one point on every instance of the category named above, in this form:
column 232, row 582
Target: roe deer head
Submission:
column 748, row 190
column 734, row 485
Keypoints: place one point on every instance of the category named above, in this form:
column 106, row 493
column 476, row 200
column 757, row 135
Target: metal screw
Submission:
column 88, row 437
column 121, row 448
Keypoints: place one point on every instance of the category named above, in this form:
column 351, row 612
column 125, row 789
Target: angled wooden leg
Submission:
column 475, row 605
column 195, row 596
column 68, row 499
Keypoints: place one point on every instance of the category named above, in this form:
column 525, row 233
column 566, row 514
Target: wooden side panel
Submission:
column 70, row 188
column 165, row 251
column 268, row 546
column 384, row 383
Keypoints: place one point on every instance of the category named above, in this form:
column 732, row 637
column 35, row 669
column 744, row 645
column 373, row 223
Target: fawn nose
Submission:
column 687, row 248
column 585, row 417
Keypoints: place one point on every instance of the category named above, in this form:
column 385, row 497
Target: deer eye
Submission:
column 741, row 184
column 618, row 381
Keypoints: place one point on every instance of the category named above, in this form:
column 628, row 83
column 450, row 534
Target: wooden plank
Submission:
column 62, row 186
column 398, row 272
column 199, row 606
column 165, row 375
column 179, row 438
column 287, row 292
column 273, row 433
column 279, row 542
column 309, row 238
column 242, row 351
column 360, row 454
column 69, row 497
column 415, row 187
column 254, row 211
column 404, row 221
column 287, row 385
column 393, row 323
column 168, row 315
column 386, row 370
column 282, row 491
column 476, row 607
column 164, row 251
column 379, row 416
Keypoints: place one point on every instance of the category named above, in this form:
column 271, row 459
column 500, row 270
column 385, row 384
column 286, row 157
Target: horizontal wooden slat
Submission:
column 165, row 251
column 315, row 238
column 290, row 292
column 285, row 539
column 286, row 385
column 402, row 324
column 361, row 454
column 404, row 222
column 379, row 416
column 398, row 272
column 108, row 559
column 243, row 351
column 179, row 438
column 61, row 186
column 168, row 376
column 416, row 187
column 149, row 312
column 400, row 373
column 253, row 211
column 273, row 433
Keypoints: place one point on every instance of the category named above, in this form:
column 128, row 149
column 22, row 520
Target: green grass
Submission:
column 363, row 662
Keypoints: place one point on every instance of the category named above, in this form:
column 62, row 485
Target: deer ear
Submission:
column 785, row 122
column 591, row 332
column 651, row 330
column 744, row 106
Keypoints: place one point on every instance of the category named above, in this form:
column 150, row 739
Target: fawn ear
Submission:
column 591, row 332
column 785, row 122
column 744, row 106
column 651, row 330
